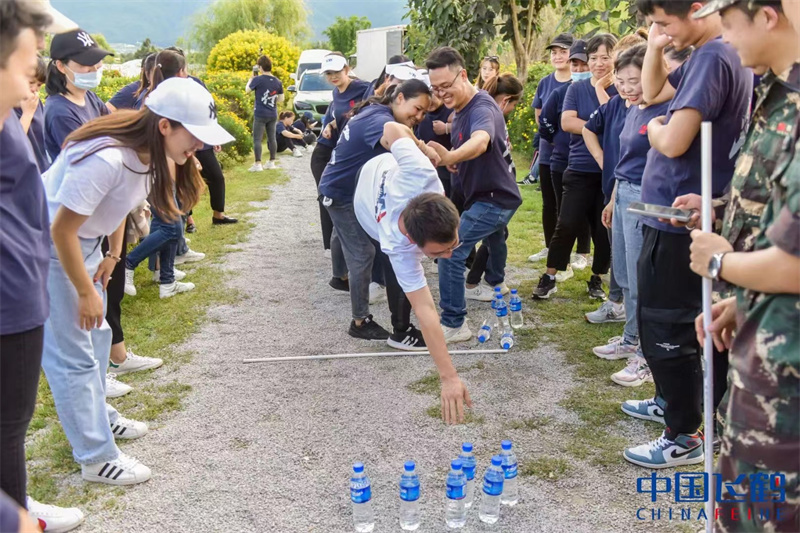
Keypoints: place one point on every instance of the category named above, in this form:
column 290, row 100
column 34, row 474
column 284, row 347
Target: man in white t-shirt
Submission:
column 400, row 203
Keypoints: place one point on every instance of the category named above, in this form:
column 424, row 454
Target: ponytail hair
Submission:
column 56, row 81
column 409, row 89
column 167, row 65
column 144, row 79
column 505, row 84
column 285, row 114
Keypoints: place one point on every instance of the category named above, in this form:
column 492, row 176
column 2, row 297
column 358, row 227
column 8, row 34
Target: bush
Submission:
column 522, row 124
column 238, row 52
column 110, row 84
column 238, row 150
column 229, row 91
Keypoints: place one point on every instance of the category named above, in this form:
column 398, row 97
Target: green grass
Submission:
column 546, row 468
column 530, row 424
column 153, row 327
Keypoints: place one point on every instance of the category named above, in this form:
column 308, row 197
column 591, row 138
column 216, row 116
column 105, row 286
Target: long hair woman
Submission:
column 490, row 68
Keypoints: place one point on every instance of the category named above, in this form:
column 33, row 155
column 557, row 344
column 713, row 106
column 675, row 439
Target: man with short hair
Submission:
column 400, row 203
column 481, row 163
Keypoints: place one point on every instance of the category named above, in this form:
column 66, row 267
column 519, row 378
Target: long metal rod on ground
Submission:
column 356, row 355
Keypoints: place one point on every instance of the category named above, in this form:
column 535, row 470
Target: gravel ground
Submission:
column 268, row 447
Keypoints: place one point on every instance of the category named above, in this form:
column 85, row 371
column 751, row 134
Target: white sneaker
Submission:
column 135, row 363
column 179, row 274
column 607, row 312
column 124, row 470
column 257, row 167
column 564, row 275
column 176, row 287
column 457, row 334
column 579, row 261
column 615, row 348
column 54, row 519
column 297, row 152
column 377, row 293
column 503, row 287
column 636, row 373
column 480, row 292
column 115, row 388
column 187, row 239
column 327, row 253
column 270, row 165
column 538, row 256
column 130, row 288
column 189, row 257
column 125, row 428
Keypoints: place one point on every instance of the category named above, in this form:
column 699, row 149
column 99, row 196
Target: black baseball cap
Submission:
column 78, row 46
column 578, row 50
column 562, row 40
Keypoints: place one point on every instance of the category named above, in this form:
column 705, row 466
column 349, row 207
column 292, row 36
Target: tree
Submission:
column 100, row 39
column 587, row 17
column 145, row 49
column 520, row 28
column 284, row 18
column 342, row 33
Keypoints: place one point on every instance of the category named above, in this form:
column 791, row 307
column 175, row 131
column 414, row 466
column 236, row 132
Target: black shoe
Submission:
column 527, row 180
column 410, row 340
column 339, row 284
column 546, row 287
column 191, row 228
column 224, row 220
column 595, row 288
column 368, row 330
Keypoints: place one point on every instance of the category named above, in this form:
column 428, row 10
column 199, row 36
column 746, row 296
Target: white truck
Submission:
column 374, row 47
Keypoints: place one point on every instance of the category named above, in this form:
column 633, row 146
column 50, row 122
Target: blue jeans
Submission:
column 481, row 222
column 163, row 241
column 75, row 363
column 626, row 248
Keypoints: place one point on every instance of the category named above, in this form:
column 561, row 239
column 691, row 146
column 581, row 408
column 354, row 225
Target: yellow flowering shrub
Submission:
column 239, row 149
column 521, row 123
column 238, row 52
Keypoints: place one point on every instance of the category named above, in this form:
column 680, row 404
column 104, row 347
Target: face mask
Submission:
column 86, row 80
column 578, row 76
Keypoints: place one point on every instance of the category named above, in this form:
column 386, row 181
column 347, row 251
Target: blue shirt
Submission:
column 550, row 129
column 425, row 133
column 62, row 117
column 634, row 143
column 267, row 88
column 545, row 88
column 341, row 104
column 124, row 98
column 581, row 97
column 491, row 177
column 36, row 136
column 714, row 83
column 358, row 143
column 606, row 122
column 24, row 234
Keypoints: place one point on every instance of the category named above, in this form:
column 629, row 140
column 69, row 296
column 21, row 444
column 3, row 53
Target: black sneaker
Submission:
column 191, row 228
column 224, row 220
column 339, row 284
column 410, row 340
column 527, row 180
column 595, row 288
column 368, row 330
column 546, row 287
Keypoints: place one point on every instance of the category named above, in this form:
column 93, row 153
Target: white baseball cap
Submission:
column 60, row 23
column 333, row 63
column 391, row 68
column 424, row 76
column 186, row 101
column 405, row 73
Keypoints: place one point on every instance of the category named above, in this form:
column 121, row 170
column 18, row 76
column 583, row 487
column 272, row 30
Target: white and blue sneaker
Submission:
column 645, row 409
column 666, row 453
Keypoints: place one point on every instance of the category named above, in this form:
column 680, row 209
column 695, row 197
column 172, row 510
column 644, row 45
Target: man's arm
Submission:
column 655, row 83
column 571, row 123
column 394, row 131
column 675, row 138
column 477, row 145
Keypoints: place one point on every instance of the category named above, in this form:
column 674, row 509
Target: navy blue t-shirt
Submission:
column 24, row 234
column 425, row 133
column 124, row 98
column 358, row 143
column 606, row 122
column 342, row 103
column 634, row 143
column 279, row 128
column 581, row 97
column 491, row 177
column 36, row 136
column 545, row 88
column 267, row 88
column 714, row 82
column 550, row 128
column 62, row 117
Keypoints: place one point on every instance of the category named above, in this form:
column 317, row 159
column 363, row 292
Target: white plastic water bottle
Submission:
column 493, row 482
column 468, row 464
column 501, row 311
column 510, row 494
column 515, row 305
column 507, row 339
column 456, row 511
column 361, row 496
column 409, row 497
column 485, row 333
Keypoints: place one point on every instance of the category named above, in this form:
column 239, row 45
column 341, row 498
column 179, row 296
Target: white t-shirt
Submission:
column 385, row 186
column 104, row 186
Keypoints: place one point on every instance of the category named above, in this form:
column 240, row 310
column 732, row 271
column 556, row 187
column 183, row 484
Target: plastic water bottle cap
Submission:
column 456, row 465
column 409, row 466
column 506, row 444
column 467, row 447
column 513, row 291
column 498, row 295
column 358, row 468
column 506, row 346
column 497, row 460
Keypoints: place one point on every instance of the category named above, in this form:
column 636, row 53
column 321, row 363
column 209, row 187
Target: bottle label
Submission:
column 455, row 492
column 492, row 488
column 502, row 311
column 470, row 472
column 516, row 306
column 409, row 494
column 361, row 495
column 510, row 471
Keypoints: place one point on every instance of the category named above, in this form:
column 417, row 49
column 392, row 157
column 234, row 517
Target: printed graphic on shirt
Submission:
column 380, row 205
column 507, row 155
column 270, row 100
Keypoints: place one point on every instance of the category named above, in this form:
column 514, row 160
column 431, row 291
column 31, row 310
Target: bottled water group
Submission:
column 499, row 487
column 504, row 319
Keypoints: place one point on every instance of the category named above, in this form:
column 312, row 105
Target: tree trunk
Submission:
column 520, row 48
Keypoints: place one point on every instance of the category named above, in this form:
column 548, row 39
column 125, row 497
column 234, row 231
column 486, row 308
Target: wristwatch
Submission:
column 715, row 266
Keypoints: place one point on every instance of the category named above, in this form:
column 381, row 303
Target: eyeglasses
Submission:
column 492, row 58
column 448, row 251
column 440, row 90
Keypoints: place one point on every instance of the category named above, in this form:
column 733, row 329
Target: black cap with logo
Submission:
column 578, row 50
column 78, row 46
column 562, row 40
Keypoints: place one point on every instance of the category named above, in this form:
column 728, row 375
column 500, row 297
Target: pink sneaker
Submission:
column 635, row 374
column 615, row 349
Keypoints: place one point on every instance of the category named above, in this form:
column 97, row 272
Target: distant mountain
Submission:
column 164, row 21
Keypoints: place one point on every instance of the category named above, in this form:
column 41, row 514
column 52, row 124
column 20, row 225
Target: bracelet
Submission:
column 114, row 257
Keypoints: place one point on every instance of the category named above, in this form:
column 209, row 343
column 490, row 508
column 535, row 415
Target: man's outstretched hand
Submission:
column 454, row 396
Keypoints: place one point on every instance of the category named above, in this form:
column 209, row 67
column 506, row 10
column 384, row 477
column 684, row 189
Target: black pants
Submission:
column 20, row 366
column 215, row 180
column 585, row 236
column 581, row 203
column 478, row 267
column 549, row 204
column 319, row 159
column 115, row 292
column 670, row 298
column 399, row 305
column 285, row 142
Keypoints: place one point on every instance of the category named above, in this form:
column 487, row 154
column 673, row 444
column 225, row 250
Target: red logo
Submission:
column 352, row 103
column 460, row 136
column 643, row 130
column 782, row 127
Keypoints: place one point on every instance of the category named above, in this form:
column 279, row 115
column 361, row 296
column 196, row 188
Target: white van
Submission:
column 309, row 60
